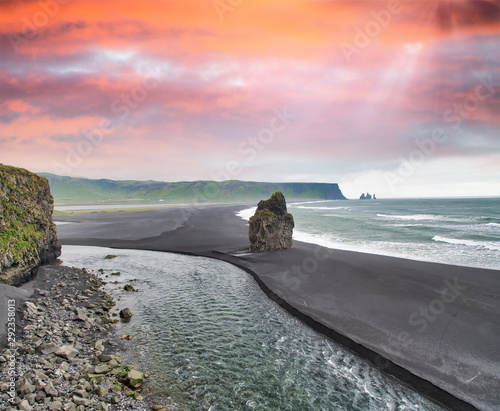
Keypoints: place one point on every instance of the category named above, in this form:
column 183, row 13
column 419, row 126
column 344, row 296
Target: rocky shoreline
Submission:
column 65, row 352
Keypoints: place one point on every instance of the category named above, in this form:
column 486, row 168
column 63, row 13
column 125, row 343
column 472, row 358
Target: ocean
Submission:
column 464, row 231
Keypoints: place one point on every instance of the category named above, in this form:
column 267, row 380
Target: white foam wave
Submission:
column 246, row 213
column 426, row 253
column 415, row 217
column 387, row 249
column 326, row 240
column 407, row 225
column 489, row 245
column 293, row 204
column 319, row 239
column 323, row 208
column 496, row 225
column 249, row 212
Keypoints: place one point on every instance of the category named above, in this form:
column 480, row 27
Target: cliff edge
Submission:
column 28, row 236
column 271, row 227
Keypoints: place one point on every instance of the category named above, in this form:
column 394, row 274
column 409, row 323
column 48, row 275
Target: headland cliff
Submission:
column 28, row 236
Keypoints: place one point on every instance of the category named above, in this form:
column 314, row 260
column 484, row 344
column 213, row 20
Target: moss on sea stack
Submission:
column 28, row 236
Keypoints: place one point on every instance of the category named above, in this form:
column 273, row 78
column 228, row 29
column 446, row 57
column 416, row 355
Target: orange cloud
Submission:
column 17, row 106
column 295, row 28
column 220, row 78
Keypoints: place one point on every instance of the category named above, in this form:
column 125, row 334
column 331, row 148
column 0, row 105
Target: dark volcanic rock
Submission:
column 125, row 313
column 28, row 236
column 271, row 227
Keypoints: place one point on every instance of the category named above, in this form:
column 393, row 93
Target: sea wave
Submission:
column 494, row 219
column 319, row 239
column 416, row 217
column 326, row 240
column 291, row 204
column 489, row 245
column 496, row 225
column 246, row 213
column 429, row 217
column 249, row 212
column 408, row 225
column 322, row 208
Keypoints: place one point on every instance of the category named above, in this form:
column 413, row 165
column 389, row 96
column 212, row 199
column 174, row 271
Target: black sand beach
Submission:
column 433, row 326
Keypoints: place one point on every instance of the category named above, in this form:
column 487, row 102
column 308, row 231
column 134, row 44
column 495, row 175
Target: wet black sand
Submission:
column 433, row 326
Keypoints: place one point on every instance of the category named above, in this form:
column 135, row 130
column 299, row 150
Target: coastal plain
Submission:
column 433, row 326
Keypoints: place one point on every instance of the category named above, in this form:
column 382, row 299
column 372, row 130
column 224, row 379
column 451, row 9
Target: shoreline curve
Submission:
column 377, row 286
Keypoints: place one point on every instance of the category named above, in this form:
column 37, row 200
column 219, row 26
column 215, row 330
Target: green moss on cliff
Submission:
column 27, row 233
column 16, row 171
column 19, row 240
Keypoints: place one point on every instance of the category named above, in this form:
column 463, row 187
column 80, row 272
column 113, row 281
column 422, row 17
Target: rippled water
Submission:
column 212, row 340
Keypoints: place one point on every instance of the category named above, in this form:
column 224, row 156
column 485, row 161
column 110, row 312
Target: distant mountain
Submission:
column 69, row 190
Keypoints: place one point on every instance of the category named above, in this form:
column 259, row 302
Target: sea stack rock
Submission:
column 28, row 236
column 271, row 227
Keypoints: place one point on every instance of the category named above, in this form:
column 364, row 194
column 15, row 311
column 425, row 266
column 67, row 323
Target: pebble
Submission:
column 61, row 358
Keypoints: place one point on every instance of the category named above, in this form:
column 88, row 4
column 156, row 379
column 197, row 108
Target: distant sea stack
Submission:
column 271, row 227
column 28, row 236
column 368, row 196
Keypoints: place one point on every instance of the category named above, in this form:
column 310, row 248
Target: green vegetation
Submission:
column 68, row 190
column 20, row 231
column 16, row 171
column 19, row 240
column 265, row 213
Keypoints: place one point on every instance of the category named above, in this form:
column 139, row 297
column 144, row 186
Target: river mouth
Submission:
column 212, row 340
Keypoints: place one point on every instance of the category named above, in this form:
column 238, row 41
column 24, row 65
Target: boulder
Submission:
column 102, row 369
column 55, row 406
column 67, row 351
column 50, row 390
column 135, row 378
column 24, row 406
column 271, row 227
column 81, row 401
column 47, row 348
column 81, row 314
column 26, row 388
column 125, row 313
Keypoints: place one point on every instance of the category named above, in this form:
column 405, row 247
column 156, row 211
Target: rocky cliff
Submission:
column 28, row 236
column 271, row 227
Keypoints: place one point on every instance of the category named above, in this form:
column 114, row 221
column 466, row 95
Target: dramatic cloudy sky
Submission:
column 400, row 98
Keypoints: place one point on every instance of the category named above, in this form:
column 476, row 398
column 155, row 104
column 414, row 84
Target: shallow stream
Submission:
column 212, row 340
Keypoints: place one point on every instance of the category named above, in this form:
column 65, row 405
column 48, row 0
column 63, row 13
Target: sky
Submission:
column 398, row 98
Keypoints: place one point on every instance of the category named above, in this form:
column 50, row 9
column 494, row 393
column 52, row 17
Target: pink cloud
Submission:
column 219, row 82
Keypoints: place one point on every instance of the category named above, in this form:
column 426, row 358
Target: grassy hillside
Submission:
column 68, row 190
